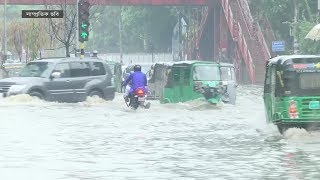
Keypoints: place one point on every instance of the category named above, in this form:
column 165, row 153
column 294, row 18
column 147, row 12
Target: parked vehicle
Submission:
column 292, row 91
column 116, row 71
column 62, row 80
column 13, row 68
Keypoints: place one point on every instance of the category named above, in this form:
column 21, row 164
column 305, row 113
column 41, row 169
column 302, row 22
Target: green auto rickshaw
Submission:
column 188, row 80
column 117, row 73
column 292, row 92
column 160, row 78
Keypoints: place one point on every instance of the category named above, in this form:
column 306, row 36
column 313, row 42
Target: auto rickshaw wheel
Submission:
column 282, row 128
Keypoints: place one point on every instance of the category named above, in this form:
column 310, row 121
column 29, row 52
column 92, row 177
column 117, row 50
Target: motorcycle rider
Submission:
column 137, row 79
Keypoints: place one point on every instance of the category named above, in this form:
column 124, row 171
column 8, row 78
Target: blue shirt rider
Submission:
column 137, row 78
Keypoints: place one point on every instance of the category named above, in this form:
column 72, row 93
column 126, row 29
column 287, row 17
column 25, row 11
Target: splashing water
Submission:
column 98, row 139
column 21, row 99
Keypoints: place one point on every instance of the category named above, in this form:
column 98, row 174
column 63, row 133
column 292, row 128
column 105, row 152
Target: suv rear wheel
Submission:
column 36, row 94
column 96, row 93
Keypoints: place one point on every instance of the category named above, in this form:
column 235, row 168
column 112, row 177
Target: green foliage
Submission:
column 104, row 35
column 281, row 14
column 307, row 46
column 141, row 26
column 33, row 42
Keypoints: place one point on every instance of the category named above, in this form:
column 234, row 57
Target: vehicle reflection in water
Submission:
column 99, row 139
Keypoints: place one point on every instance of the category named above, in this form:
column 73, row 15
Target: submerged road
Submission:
column 106, row 140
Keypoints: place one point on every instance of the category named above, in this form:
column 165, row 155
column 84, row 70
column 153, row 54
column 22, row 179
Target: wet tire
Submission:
column 36, row 94
column 133, row 106
column 133, row 103
column 282, row 128
column 109, row 97
column 147, row 106
column 95, row 93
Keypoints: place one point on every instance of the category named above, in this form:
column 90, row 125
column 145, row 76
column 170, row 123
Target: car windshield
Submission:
column 206, row 73
column 35, row 69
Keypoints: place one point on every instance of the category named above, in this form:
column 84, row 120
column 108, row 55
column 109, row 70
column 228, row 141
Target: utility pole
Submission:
column 318, row 14
column 295, row 29
column 77, row 28
column 4, row 41
column 179, row 35
column 65, row 25
column 120, row 35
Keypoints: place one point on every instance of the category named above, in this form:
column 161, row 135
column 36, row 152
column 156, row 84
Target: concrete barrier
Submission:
column 138, row 57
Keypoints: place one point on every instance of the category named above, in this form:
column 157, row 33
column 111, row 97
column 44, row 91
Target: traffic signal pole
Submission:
column 81, row 50
column 83, row 24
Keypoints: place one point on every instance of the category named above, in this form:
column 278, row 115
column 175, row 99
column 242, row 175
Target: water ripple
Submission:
column 99, row 139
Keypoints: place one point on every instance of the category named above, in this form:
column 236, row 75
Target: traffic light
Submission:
column 83, row 12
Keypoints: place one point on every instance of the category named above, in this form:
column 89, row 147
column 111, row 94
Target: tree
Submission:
column 33, row 40
column 63, row 29
column 148, row 25
column 16, row 37
column 295, row 16
column 142, row 26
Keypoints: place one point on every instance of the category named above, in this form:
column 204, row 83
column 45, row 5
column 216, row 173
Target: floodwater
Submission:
column 101, row 140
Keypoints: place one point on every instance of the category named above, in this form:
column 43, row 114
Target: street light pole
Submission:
column 77, row 27
column 179, row 36
column 4, row 41
column 120, row 35
column 295, row 20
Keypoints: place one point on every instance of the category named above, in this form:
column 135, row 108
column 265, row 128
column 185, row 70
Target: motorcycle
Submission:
column 138, row 99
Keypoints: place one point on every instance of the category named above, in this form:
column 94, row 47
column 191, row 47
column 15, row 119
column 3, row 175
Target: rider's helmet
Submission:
column 136, row 68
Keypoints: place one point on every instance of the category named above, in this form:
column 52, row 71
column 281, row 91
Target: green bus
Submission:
column 292, row 92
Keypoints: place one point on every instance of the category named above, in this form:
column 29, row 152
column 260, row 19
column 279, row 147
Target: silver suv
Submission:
column 62, row 80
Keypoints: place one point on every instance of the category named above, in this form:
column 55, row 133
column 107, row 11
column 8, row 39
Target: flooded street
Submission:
column 106, row 140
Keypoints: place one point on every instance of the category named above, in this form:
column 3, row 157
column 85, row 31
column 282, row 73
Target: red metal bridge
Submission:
column 227, row 33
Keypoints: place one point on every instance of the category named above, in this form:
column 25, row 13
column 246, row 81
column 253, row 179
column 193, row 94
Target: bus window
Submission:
column 309, row 81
